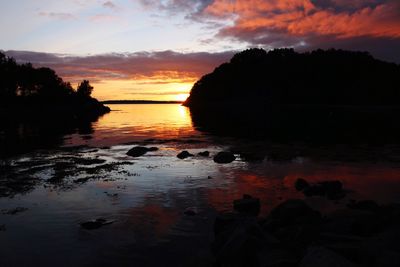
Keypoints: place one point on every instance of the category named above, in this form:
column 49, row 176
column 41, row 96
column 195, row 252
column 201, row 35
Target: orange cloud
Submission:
column 303, row 18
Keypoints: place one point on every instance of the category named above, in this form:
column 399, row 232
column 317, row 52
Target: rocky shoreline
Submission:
column 363, row 233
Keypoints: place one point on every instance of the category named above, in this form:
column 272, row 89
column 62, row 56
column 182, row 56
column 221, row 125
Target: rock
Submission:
column 301, row 184
column 191, row 211
column 224, row 157
column 333, row 189
column 184, row 154
column 91, row 225
column 204, row 154
column 268, row 257
column 81, row 180
column 209, row 177
column 353, row 222
column 14, row 211
column 291, row 210
column 329, row 189
column 294, row 223
column 368, row 205
column 252, row 156
column 314, row 190
column 153, row 148
column 239, row 244
column 137, row 151
column 320, row 256
column 224, row 222
column 247, row 205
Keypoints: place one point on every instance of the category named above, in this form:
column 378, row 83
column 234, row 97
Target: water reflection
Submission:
column 130, row 123
column 147, row 196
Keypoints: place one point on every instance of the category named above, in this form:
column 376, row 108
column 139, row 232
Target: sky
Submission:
column 149, row 49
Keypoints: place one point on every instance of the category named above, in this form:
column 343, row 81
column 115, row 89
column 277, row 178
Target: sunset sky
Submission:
column 148, row 49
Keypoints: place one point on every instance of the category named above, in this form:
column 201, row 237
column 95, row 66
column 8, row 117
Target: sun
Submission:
column 181, row 97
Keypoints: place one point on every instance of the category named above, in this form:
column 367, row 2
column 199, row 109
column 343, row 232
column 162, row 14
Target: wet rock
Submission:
column 294, row 223
column 252, row 157
column 368, row 205
column 113, row 195
column 204, row 154
column 330, row 189
column 293, row 210
column 224, row 157
column 138, row 151
column 224, row 222
column 238, row 244
column 95, row 224
column 88, row 161
column 247, row 205
column 184, row 154
column 277, row 257
column 14, row 211
column 191, row 211
column 320, row 256
column 353, row 222
column 301, row 184
column 81, row 180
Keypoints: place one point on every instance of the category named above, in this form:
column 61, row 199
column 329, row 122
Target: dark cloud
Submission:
column 109, row 4
column 57, row 15
column 163, row 65
column 372, row 25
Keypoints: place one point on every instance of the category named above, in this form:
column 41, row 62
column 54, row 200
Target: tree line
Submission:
column 283, row 76
column 23, row 83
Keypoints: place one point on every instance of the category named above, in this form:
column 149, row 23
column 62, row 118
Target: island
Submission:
column 314, row 95
column 37, row 107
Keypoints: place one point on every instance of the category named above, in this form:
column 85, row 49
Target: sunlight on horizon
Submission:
column 145, row 89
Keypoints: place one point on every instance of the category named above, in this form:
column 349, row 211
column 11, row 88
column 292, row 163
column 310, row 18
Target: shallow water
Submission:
column 145, row 197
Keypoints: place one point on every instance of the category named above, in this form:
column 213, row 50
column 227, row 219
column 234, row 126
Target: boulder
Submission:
column 329, row 189
column 294, row 223
column 368, row 205
column 95, row 224
column 247, row 205
column 320, row 256
column 204, row 154
column 138, row 151
column 224, row 157
column 191, row 211
column 184, row 154
column 301, row 184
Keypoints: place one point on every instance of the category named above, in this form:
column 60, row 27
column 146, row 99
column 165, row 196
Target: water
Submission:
column 146, row 197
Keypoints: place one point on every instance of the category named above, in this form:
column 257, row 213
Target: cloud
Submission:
column 109, row 4
column 57, row 15
column 296, row 23
column 159, row 67
column 303, row 18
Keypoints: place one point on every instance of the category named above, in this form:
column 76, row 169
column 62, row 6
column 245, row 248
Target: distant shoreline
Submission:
column 140, row 102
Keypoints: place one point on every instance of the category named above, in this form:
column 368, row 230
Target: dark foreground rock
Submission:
column 329, row 189
column 224, row 157
column 204, row 154
column 138, row 151
column 294, row 234
column 14, row 211
column 95, row 224
column 247, row 205
column 184, row 154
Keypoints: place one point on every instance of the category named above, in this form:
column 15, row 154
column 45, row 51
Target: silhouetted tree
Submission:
column 282, row 76
column 25, row 86
column 84, row 89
